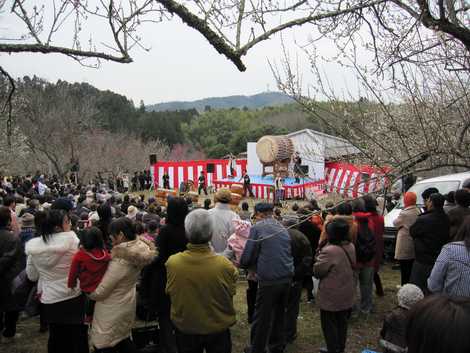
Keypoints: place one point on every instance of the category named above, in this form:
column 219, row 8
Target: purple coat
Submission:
column 335, row 271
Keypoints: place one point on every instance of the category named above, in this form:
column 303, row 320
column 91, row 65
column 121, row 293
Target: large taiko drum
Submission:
column 236, row 189
column 274, row 148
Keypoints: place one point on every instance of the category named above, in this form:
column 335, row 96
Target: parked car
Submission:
column 444, row 184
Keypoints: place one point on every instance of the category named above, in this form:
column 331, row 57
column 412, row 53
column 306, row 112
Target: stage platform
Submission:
column 263, row 187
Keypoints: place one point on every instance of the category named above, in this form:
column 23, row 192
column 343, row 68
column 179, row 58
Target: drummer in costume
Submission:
column 297, row 163
column 247, row 185
column 278, row 190
column 232, row 165
column 202, row 184
column 166, row 181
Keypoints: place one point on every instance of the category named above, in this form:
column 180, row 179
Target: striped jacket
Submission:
column 451, row 272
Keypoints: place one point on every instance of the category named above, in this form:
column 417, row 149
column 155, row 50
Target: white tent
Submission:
column 314, row 147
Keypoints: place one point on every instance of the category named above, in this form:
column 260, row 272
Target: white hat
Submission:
column 132, row 212
column 93, row 216
column 409, row 295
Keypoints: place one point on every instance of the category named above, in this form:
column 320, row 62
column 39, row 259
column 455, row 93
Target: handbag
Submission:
column 32, row 306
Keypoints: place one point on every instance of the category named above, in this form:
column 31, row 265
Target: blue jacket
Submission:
column 269, row 250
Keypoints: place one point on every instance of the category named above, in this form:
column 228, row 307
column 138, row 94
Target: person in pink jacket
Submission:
column 236, row 242
column 235, row 246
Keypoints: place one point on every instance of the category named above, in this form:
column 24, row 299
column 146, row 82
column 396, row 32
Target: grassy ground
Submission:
column 363, row 331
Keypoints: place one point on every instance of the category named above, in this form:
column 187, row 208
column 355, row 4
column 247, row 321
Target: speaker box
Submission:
column 304, row 169
column 210, row 168
column 153, row 159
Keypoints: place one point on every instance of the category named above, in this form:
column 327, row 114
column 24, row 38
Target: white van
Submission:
column 444, row 184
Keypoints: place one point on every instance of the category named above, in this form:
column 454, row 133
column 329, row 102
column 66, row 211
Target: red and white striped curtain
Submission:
column 352, row 181
column 180, row 171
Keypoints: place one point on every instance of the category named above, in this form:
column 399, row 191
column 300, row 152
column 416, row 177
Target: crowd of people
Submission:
column 87, row 261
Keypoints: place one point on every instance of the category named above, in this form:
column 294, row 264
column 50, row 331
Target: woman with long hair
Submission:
column 49, row 260
column 115, row 296
column 171, row 240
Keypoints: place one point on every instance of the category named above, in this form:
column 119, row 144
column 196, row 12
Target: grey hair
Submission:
column 198, row 225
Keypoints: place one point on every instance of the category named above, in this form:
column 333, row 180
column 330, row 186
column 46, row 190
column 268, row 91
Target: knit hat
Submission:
column 409, row 295
column 27, row 220
column 409, row 199
column 223, row 195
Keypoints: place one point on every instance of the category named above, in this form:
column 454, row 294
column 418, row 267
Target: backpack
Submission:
column 365, row 243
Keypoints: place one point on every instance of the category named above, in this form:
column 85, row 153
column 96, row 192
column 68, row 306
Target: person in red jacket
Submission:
column 89, row 264
column 376, row 224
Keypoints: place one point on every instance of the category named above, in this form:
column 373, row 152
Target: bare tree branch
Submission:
column 47, row 49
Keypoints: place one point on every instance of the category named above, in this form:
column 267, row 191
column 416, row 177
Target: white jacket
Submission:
column 49, row 264
column 222, row 217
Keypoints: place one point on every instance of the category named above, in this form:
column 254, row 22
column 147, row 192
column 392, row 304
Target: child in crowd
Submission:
column 152, row 228
column 236, row 242
column 393, row 333
column 89, row 264
column 236, row 245
column 139, row 229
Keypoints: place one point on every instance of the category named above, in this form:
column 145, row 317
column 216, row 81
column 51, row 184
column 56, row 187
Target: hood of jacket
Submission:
column 139, row 252
column 49, row 254
column 362, row 216
column 349, row 219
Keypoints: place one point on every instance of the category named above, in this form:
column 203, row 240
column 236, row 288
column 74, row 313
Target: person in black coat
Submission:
column 171, row 240
column 303, row 258
column 312, row 232
column 460, row 212
column 11, row 261
column 430, row 233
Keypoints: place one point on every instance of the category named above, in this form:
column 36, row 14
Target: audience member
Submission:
column 302, row 256
column 269, row 250
column 11, row 264
column 366, row 249
column 450, row 274
column 202, row 319
column 49, row 261
column 89, row 264
column 245, row 214
column 459, row 212
column 439, row 324
column 430, row 233
column 393, row 333
column 405, row 247
column 115, row 295
column 222, row 217
column 334, row 267
column 171, row 240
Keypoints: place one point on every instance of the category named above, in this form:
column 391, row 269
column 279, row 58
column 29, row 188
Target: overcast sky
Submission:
column 181, row 65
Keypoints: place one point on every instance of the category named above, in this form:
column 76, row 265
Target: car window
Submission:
column 444, row 187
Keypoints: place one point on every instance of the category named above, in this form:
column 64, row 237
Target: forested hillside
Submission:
column 261, row 100
column 43, row 107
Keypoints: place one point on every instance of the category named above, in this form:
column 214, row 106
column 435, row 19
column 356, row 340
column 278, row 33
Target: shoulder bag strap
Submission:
column 347, row 255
